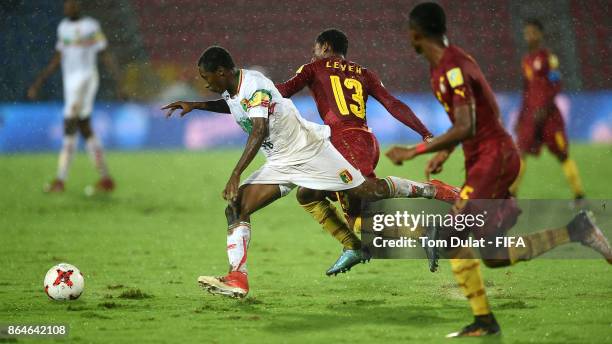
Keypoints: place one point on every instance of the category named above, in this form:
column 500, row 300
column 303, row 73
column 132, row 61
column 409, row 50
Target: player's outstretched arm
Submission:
column 396, row 107
column 218, row 105
column 256, row 138
column 463, row 128
column 300, row 80
column 44, row 75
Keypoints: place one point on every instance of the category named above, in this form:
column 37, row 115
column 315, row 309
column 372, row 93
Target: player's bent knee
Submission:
column 85, row 128
column 305, row 196
column 562, row 157
column 71, row 126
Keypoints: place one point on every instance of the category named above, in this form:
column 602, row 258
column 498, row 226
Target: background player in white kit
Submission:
column 79, row 40
column 297, row 152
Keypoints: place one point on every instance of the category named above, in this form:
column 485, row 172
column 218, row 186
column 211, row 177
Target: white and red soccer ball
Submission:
column 64, row 282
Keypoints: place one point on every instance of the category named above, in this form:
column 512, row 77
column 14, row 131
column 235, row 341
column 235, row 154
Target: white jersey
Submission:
column 291, row 139
column 79, row 42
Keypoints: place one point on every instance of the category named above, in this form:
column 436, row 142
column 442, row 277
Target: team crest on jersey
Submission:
column 346, row 176
column 259, row 98
column 454, row 76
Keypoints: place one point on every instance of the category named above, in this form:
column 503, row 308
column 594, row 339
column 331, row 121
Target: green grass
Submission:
column 142, row 248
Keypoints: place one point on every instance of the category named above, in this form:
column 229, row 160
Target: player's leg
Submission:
column 96, row 154
column 315, row 203
column 69, row 146
column 372, row 190
column 251, row 198
column 360, row 148
column 581, row 228
column 318, row 206
column 92, row 143
column 466, row 270
column 555, row 138
column 527, row 142
column 488, row 178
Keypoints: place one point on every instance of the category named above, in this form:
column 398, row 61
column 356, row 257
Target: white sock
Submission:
column 66, row 155
column 238, row 237
column 405, row 188
column 96, row 154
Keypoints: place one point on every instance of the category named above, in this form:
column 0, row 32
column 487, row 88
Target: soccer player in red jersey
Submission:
column 540, row 122
column 491, row 164
column 341, row 88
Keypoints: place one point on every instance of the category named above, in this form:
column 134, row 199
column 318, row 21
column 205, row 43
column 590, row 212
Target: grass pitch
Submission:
column 142, row 248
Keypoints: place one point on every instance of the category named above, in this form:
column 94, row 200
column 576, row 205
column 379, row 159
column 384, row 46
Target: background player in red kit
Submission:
column 540, row 121
column 491, row 165
column 341, row 89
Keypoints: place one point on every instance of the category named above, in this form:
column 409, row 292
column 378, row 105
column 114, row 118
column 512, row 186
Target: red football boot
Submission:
column 105, row 184
column 55, row 186
column 445, row 192
column 235, row 284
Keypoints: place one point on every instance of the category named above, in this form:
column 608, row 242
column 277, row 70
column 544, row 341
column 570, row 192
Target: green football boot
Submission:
column 348, row 259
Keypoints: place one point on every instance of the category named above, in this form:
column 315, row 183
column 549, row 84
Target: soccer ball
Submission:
column 64, row 282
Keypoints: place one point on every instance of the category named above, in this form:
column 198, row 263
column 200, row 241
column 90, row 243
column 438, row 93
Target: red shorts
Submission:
column 488, row 179
column 359, row 147
column 551, row 133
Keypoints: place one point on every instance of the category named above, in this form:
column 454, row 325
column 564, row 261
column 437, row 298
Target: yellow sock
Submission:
column 515, row 186
column 573, row 177
column 357, row 225
column 467, row 273
column 333, row 223
column 538, row 243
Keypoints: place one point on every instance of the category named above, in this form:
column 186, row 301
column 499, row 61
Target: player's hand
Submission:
column 33, row 92
column 434, row 166
column 398, row 154
column 185, row 106
column 230, row 193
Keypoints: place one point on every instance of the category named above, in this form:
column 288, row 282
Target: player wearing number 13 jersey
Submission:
column 341, row 88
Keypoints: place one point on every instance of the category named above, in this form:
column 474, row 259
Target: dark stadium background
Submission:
column 158, row 41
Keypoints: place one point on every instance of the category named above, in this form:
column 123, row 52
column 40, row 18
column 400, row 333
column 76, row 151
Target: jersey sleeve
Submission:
column 99, row 39
column 302, row 78
column 258, row 98
column 460, row 81
column 396, row 108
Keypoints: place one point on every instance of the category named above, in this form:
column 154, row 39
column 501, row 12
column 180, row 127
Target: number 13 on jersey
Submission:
column 350, row 84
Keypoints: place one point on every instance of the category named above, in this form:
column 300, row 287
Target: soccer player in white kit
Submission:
column 79, row 40
column 297, row 152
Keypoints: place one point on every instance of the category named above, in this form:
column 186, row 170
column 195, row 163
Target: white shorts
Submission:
column 327, row 171
column 79, row 95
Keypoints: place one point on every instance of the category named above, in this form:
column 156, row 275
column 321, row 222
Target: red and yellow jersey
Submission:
column 542, row 80
column 341, row 89
column 457, row 80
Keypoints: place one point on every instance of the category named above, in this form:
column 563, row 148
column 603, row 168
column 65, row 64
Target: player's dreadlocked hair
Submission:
column 214, row 57
column 429, row 17
column 535, row 23
column 336, row 39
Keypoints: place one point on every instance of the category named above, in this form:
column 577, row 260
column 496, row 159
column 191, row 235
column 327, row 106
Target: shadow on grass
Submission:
column 356, row 313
